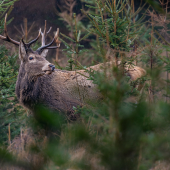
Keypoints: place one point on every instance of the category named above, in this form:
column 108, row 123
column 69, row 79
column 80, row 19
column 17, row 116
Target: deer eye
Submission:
column 31, row 58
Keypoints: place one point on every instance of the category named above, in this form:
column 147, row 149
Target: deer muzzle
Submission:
column 48, row 68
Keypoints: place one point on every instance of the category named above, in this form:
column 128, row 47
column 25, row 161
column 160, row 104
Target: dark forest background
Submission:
column 40, row 10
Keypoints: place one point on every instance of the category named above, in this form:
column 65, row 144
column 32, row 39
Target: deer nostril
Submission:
column 52, row 66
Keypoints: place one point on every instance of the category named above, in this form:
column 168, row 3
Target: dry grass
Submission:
column 161, row 165
column 21, row 145
column 20, row 148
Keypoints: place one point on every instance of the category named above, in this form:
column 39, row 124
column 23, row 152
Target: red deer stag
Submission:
column 39, row 82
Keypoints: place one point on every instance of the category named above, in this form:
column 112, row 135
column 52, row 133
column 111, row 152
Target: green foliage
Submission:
column 121, row 134
column 74, row 49
column 6, row 5
column 11, row 113
column 155, row 5
column 117, row 28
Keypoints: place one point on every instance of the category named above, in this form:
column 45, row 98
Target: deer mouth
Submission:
column 48, row 69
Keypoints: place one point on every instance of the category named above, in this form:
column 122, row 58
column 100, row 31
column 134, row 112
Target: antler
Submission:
column 39, row 50
column 27, row 45
column 31, row 42
column 6, row 37
column 44, row 34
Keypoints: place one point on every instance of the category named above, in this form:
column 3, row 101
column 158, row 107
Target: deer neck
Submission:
column 27, row 88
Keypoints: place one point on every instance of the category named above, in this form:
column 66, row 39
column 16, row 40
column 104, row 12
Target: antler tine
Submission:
column 45, row 27
column 48, row 45
column 54, row 47
column 44, row 34
column 6, row 37
column 5, row 27
column 49, row 30
column 31, row 42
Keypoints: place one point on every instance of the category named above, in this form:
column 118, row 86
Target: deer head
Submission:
column 33, row 63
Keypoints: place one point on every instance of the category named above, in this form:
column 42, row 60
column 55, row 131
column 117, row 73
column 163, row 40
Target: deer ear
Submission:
column 22, row 51
column 44, row 53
